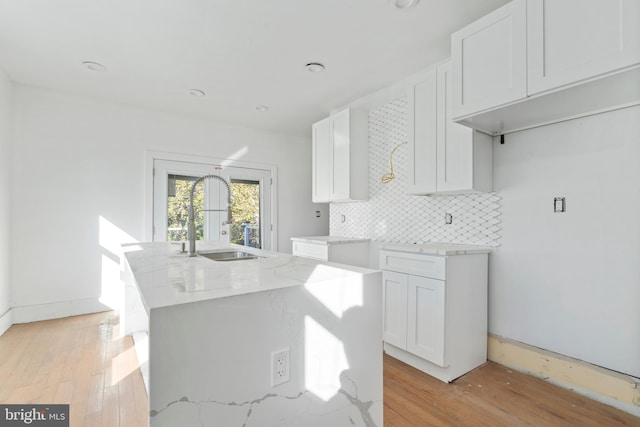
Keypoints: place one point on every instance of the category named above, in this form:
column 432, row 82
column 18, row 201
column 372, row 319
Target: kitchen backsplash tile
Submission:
column 391, row 215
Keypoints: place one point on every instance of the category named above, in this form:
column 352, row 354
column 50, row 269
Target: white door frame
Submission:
column 151, row 155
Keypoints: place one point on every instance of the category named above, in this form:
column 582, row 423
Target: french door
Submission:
column 250, row 203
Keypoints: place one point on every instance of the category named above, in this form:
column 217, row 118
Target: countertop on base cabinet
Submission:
column 343, row 250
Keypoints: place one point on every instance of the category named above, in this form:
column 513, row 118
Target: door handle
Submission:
column 223, row 232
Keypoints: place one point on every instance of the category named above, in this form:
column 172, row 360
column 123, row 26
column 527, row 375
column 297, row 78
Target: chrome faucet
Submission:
column 192, row 216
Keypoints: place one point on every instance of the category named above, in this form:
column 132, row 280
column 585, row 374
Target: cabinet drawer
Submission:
column 411, row 263
column 311, row 250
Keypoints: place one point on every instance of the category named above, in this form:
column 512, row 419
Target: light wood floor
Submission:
column 85, row 362
column 80, row 360
column 491, row 395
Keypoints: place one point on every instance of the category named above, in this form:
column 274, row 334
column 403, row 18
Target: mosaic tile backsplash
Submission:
column 392, row 216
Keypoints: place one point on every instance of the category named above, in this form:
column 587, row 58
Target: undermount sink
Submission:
column 228, row 255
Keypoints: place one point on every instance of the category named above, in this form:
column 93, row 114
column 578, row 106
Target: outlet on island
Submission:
column 280, row 367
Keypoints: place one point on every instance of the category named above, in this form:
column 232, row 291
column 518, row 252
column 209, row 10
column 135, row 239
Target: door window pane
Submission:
column 245, row 210
column 178, row 190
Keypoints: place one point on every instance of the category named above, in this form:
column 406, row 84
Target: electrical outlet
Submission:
column 280, row 367
column 448, row 218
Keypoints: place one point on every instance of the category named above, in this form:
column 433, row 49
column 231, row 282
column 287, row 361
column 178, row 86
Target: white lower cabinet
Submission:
column 435, row 310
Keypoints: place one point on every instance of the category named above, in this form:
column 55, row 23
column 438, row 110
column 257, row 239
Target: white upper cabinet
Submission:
column 321, row 153
column 340, row 179
column 422, row 136
column 465, row 156
column 574, row 40
column 490, row 60
column 535, row 62
column 444, row 157
column 340, row 157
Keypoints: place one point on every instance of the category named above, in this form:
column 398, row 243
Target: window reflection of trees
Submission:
column 245, row 209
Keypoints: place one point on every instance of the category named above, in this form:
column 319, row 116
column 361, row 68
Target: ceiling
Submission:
column 242, row 54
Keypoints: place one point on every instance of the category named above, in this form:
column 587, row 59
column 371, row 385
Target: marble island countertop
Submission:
column 167, row 277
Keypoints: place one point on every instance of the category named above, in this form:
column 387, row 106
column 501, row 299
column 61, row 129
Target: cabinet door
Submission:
column 394, row 306
column 425, row 319
column 573, row 40
column 489, row 60
column 455, row 142
column 340, row 156
column 321, row 162
column 422, row 108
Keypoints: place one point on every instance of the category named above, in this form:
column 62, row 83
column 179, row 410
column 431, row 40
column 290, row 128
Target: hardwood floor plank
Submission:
column 93, row 420
column 110, row 407
column 127, row 405
column 63, row 393
column 77, row 413
column 140, row 399
column 96, row 394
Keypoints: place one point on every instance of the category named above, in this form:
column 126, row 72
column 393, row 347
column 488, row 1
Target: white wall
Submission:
column 77, row 160
column 570, row 282
column 5, row 199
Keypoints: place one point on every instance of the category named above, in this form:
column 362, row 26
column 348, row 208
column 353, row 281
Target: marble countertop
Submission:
column 445, row 249
column 328, row 240
column 167, row 277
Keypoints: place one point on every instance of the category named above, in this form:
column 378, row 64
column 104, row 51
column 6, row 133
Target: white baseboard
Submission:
column 612, row 388
column 56, row 310
column 6, row 320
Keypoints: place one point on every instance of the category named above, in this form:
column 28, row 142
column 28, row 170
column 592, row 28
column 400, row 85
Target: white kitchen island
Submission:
column 213, row 326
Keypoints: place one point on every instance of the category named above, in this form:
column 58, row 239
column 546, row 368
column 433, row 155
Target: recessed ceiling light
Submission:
column 262, row 108
column 403, row 4
column 196, row 92
column 314, row 67
column 94, row 66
